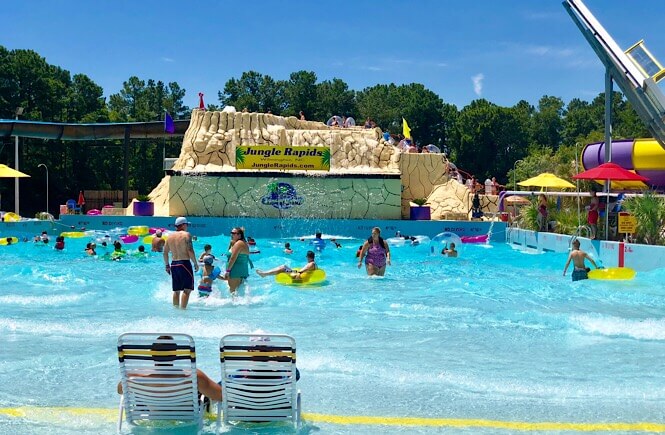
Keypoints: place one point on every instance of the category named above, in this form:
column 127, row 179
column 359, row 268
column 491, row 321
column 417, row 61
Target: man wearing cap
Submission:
column 158, row 242
column 179, row 244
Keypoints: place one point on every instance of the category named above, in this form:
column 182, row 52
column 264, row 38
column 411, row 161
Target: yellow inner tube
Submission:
column 148, row 239
column 73, row 234
column 11, row 217
column 3, row 241
column 139, row 230
column 612, row 273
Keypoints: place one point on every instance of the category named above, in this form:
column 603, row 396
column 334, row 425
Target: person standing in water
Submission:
column 237, row 268
column 577, row 256
column 179, row 244
column 376, row 253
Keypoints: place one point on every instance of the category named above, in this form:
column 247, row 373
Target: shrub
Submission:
column 649, row 210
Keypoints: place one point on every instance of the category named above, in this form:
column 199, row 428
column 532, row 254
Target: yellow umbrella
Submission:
column 547, row 179
column 7, row 172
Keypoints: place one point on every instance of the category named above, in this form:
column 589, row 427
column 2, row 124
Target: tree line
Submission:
column 481, row 138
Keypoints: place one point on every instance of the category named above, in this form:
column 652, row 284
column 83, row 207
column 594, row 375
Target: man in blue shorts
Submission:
column 577, row 256
column 179, row 244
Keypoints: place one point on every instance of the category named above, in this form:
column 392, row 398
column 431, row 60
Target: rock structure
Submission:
column 210, row 142
column 368, row 177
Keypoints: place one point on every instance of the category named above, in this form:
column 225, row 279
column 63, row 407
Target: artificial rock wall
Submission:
column 392, row 178
column 212, row 137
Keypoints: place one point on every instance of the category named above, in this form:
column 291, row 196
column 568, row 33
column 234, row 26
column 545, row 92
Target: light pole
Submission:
column 514, row 176
column 19, row 111
column 45, row 167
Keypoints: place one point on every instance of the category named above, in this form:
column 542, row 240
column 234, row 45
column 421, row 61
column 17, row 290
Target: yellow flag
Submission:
column 406, row 131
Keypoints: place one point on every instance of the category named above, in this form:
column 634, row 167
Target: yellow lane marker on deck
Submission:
column 496, row 424
column 35, row 412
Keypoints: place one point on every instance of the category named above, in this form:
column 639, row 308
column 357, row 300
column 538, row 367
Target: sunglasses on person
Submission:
column 233, row 233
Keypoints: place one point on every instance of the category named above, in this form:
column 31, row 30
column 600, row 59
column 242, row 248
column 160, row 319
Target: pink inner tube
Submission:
column 474, row 239
column 93, row 212
column 154, row 230
column 129, row 239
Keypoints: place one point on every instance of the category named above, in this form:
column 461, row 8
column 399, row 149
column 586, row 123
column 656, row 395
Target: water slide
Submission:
column 636, row 70
column 69, row 131
column 644, row 156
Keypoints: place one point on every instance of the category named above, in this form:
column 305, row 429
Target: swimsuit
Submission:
column 579, row 274
column 205, row 288
column 182, row 275
column 240, row 268
column 376, row 254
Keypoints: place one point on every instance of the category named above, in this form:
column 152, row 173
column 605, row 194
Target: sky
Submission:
column 501, row 50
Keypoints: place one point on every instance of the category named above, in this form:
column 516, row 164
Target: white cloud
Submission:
column 542, row 50
column 167, row 59
column 478, row 83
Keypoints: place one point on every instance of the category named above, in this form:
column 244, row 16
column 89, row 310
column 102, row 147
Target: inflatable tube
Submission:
column 3, row 241
column 474, row 239
column 443, row 240
column 73, row 234
column 140, row 230
column 612, row 273
column 313, row 277
column 129, row 238
column 94, row 212
column 148, row 239
column 153, row 230
column 11, row 217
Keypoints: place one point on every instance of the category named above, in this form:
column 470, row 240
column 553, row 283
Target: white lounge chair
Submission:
column 159, row 380
column 258, row 379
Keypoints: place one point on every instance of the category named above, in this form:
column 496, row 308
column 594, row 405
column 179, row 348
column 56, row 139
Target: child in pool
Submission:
column 209, row 273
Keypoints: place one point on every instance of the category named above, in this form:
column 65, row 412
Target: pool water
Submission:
column 494, row 335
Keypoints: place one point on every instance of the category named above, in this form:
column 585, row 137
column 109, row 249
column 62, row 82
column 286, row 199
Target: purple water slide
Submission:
column 622, row 154
column 656, row 177
column 590, row 157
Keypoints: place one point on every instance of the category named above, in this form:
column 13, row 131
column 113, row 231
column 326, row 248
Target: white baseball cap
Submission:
column 181, row 221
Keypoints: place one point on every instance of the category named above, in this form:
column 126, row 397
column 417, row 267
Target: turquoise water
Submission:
column 495, row 334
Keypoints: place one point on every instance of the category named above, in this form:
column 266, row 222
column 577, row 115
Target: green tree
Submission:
column 422, row 108
column 333, row 97
column 300, row 93
column 255, row 92
column 548, row 122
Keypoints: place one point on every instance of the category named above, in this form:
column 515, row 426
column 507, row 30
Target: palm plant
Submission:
column 240, row 156
column 325, row 159
column 649, row 210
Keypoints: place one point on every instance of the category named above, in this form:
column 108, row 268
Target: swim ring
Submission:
column 73, row 234
column 153, row 230
column 443, row 240
column 148, row 239
column 612, row 273
column 3, row 241
column 309, row 277
column 93, row 212
column 11, row 217
column 132, row 238
column 139, row 230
